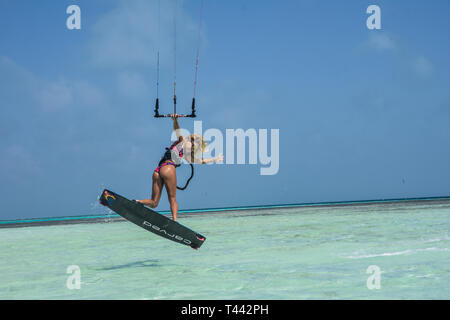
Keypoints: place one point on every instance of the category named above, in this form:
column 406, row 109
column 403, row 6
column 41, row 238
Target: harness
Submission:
column 168, row 156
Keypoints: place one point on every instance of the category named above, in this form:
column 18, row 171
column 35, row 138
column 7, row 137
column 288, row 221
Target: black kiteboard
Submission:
column 150, row 220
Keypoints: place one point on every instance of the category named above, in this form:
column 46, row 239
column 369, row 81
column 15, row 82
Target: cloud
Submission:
column 234, row 110
column 15, row 83
column 381, row 42
column 422, row 66
column 88, row 95
column 22, row 88
column 17, row 164
column 132, row 85
column 130, row 35
column 55, row 96
column 41, row 117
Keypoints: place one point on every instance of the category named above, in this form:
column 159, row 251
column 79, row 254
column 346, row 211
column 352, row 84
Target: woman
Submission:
column 186, row 148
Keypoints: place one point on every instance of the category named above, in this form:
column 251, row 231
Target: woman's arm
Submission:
column 176, row 126
column 219, row 158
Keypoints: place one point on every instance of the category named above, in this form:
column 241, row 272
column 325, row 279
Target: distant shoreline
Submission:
column 106, row 218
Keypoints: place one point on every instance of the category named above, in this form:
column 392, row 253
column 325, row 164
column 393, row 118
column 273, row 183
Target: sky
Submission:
column 361, row 114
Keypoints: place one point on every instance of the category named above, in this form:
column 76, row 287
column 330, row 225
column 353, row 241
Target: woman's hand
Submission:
column 219, row 158
column 176, row 126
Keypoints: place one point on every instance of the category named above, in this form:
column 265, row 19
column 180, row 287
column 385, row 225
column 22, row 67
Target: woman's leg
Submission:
column 157, row 186
column 169, row 176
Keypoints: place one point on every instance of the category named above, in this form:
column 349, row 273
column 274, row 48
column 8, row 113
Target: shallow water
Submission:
column 301, row 253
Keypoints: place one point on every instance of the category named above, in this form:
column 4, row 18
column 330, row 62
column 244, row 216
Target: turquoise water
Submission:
column 287, row 253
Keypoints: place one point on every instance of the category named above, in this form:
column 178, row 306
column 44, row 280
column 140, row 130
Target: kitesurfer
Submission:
column 188, row 148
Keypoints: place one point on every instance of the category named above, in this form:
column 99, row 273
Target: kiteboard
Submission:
column 151, row 220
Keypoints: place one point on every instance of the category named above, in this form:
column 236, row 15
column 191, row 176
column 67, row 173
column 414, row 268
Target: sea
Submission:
column 356, row 251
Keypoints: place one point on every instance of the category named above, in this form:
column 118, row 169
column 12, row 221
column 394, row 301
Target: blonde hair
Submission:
column 198, row 142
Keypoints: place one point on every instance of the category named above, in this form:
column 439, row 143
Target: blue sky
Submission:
column 362, row 114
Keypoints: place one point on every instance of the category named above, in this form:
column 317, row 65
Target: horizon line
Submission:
column 223, row 209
